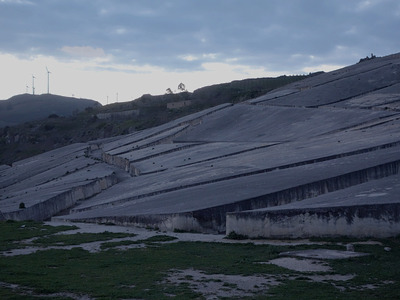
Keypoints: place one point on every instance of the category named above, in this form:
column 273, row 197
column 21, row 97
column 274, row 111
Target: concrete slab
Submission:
column 52, row 182
column 192, row 119
column 218, row 197
column 154, row 151
column 379, row 98
column 379, row 76
column 147, row 141
column 385, row 189
column 368, row 209
column 26, row 168
column 52, row 174
column 187, row 154
column 246, row 123
column 258, row 161
column 274, row 95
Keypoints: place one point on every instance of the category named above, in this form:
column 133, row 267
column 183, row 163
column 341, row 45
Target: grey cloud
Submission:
column 161, row 32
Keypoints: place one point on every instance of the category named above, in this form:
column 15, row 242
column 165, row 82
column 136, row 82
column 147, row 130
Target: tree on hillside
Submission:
column 181, row 87
column 367, row 58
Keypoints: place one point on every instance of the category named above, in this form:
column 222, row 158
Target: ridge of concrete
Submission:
column 365, row 210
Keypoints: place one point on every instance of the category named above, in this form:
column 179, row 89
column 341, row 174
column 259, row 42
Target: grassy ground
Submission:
column 141, row 273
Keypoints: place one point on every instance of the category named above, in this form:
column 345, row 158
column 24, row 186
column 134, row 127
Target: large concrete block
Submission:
column 367, row 210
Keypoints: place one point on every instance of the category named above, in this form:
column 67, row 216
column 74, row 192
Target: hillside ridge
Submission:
column 26, row 107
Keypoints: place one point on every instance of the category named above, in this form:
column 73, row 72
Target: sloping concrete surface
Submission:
column 311, row 140
column 40, row 187
column 364, row 210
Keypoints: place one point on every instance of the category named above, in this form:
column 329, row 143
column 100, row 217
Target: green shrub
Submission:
column 235, row 236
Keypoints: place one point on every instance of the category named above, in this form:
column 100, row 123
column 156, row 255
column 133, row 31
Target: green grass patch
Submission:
column 108, row 245
column 235, row 236
column 142, row 273
column 78, row 238
column 160, row 238
column 13, row 232
column 299, row 289
column 149, row 241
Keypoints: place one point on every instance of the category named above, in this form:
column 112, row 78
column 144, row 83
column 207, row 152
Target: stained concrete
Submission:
column 52, row 182
column 364, row 210
column 212, row 171
column 276, row 124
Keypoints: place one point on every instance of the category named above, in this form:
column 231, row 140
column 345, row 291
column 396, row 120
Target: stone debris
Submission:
column 323, row 254
column 350, row 247
column 301, row 265
column 215, row 286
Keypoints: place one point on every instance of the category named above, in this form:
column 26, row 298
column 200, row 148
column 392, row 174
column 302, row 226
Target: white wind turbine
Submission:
column 33, row 84
column 48, row 81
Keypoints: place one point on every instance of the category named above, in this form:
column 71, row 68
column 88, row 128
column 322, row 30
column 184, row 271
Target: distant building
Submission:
column 180, row 104
column 118, row 115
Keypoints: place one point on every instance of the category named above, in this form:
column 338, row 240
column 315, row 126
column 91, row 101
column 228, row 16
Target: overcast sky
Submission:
column 103, row 49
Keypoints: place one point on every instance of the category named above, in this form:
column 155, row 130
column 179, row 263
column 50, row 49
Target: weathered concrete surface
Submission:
column 272, row 124
column 179, row 209
column 339, row 85
column 385, row 98
column 369, row 209
column 307, row 140
column 40, row 187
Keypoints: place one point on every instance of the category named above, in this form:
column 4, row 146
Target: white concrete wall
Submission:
column 378, row 221
column 50, row 207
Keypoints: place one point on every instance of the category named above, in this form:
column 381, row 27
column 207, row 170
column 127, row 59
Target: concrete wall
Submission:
column 215, row 218
column 50, row 207
column 125, row 163
column 379, row 221
column 163, row 222
column 117, row 161
column 180, row 104
column 118, row 115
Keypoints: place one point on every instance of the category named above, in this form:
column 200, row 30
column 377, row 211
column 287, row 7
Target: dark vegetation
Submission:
column 96, row 122
column 27, row 107
column 141, row 273
column 367, row 58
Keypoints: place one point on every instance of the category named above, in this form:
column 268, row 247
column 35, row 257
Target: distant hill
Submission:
column 26, row 107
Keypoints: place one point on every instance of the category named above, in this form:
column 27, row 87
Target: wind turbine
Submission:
column 48, row 81
column 33, row 84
